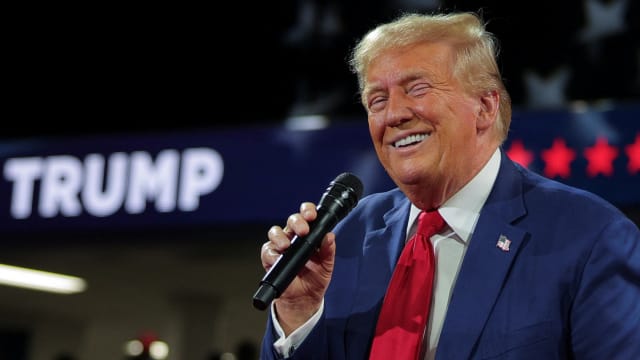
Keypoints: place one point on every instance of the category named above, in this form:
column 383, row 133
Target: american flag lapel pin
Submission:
column 503, row 243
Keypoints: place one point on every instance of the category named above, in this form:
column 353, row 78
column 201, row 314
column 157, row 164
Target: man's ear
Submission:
column 488, row 113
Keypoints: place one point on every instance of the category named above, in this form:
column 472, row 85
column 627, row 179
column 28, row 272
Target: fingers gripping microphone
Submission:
column 341, row 196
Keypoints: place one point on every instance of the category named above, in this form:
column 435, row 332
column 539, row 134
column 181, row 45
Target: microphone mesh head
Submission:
column 351, row 181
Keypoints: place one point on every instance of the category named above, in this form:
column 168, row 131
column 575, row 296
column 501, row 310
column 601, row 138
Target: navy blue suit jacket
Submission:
column 568, row 288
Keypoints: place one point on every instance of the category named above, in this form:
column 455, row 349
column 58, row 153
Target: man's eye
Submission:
column 377, row 103
column 419, row 90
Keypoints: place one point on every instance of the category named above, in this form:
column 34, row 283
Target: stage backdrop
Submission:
column 259, row 175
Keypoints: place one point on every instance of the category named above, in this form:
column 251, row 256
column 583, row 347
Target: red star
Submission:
column 633, row 152
column 600, row 156
column 557, row 159
column 519, row 154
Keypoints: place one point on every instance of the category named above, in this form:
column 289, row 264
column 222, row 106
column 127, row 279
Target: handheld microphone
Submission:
column 341, row 196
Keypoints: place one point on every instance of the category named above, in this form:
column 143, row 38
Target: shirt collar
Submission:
column 462, row 210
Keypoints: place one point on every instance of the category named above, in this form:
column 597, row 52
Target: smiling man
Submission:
column 519, row 266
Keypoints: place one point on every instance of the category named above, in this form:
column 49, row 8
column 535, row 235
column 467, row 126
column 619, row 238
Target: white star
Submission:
column 603, row 19
column 546, row 92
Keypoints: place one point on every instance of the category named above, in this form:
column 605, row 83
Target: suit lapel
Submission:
column 485, row 266
column 381, row 247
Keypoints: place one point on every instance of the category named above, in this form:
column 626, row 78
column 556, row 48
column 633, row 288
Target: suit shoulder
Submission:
column 382, row 200
column 370, row 211
column 549, row 193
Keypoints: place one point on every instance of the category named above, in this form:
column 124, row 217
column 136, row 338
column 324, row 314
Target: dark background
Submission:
column 113, row 68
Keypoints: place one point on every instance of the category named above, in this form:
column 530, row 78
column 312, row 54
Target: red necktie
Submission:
column 405, row 309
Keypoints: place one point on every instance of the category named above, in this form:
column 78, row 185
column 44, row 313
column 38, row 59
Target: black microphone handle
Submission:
column 289, row 264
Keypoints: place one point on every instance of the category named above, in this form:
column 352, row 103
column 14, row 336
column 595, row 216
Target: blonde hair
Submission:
column 475, row 55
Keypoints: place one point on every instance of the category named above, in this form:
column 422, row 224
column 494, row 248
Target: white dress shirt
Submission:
column 461, row 214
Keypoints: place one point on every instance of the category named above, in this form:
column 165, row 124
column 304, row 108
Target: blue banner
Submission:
column 597, row 150
column 259, row 175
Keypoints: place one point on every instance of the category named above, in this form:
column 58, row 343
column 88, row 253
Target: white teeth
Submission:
column 411, row 139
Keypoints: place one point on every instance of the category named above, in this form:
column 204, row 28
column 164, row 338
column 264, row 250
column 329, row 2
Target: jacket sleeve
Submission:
column 605, row 319
column 313, row 347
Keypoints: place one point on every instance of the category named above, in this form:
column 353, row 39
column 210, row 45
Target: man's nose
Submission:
column 399, row 109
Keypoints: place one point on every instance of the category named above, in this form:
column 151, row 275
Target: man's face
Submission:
column 422, row 122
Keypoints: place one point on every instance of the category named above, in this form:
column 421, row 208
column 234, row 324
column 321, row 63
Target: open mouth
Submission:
column 410, row 140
